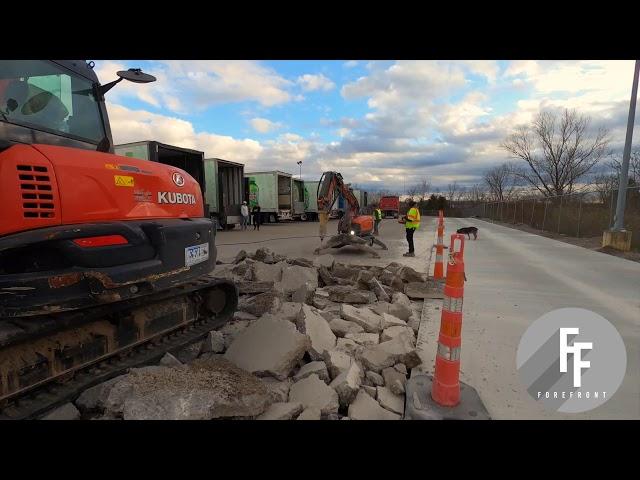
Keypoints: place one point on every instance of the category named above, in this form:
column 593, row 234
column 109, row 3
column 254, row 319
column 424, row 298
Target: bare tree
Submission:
column 634, row 167
column 500, row 181
column 452, row 188
column 605, row 184
column 423, row 189
column 413, row 191
column 558, row 149
column 476, row 193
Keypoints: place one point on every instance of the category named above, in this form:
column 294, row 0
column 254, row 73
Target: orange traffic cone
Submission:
column 445, row 390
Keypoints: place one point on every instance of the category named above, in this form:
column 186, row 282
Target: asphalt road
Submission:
column 513, row 278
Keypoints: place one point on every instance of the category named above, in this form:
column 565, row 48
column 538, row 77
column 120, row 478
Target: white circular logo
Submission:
column 178, row 179
column 572, row 360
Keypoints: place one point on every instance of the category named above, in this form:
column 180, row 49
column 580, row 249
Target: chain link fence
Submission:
column 583, row 214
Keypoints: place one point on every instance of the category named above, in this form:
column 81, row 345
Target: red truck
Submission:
column 390, row 206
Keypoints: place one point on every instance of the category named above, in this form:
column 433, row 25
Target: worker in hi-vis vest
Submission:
column 377, row 218
column 411, row 224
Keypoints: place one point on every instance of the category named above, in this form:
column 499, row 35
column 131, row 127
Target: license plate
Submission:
column 196, row 254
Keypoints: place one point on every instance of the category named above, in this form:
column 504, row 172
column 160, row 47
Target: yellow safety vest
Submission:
column 414, row 214
column 378, row 214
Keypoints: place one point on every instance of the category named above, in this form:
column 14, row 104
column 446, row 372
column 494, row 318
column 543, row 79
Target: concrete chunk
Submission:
column 347, row 384
column 238, row 315
column 213, row 343
column 342, row 327
column 394, row 380
column 288, row 311
column 68, row 411
column 349, row 294
column 399, row 310
column 313, row 392
column 263, row 272
column 389, row 320
column 366, row 408
column 304, row 294
column 386, row 354
column 267, row 302
column 349, row 347
column 281, row 411
column 251, row 288
column 169, row 360
column 232, row 329
column 313, row 368
column 269, row 346
column 393, row 332
column 375, row 379
column 379, row 290
column 294, row 276
column 389, row 400
column 364, row 339
column 408, row 274
column 371, row 322
column 337, row 362
column 371, row 391
column 311, row 413
column 278, row 390
column 317, row 329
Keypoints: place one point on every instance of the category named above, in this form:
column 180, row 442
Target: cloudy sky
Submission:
column 383, row 124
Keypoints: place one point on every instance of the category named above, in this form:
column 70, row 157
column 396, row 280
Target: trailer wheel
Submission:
column 272, row 218
column 303, row 217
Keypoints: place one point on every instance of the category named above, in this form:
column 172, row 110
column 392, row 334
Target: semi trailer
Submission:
column 273, row 192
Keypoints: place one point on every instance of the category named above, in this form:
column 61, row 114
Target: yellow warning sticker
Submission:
column 123, row 181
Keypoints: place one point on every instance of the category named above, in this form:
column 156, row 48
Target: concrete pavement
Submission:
column 513, row 278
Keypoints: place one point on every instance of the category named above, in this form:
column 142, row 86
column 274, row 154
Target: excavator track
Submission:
column 48, row 360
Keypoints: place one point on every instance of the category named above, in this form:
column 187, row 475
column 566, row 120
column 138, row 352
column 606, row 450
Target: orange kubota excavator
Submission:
column 101, row 256
column 330, row 187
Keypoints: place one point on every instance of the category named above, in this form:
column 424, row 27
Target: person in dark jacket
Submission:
column 255, row 211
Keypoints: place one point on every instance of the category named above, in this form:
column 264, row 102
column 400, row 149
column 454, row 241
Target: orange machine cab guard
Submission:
column 45, row 185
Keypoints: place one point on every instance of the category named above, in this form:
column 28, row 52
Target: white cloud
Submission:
column 264, row 125
column 187, row 85
column 310, row 83
column 351, row 64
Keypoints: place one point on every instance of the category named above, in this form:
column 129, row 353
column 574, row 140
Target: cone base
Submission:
column 420, row 406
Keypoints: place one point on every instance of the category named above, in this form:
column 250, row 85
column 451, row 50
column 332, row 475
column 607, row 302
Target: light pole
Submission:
column 618, row 223
column 300, row 165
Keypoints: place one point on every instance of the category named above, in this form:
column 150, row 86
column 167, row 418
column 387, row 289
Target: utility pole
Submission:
column 300, row 165
column 618, row 223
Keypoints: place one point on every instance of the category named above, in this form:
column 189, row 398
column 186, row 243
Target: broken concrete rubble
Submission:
column 337, row 362
column 294, row 276
column 386, row 354
column 394, row 380
column 347, row 384
column 342, row 327
column 375, row 379
column 278, row 390
column 269, row 346
column 281, row 411
column 205, row 390
column 313, row 392
column 366, row 408
column 168, row 360
column 313, row 368
column 304, row 294
column 311, row 413
column 267, row 302
column 213, row 343
column 317, row 329
column 370, row 321
column 393, row 332
column 263, row 272
column 346, row 294
column 389, row 400
column 365, row 339
column 379, row 290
